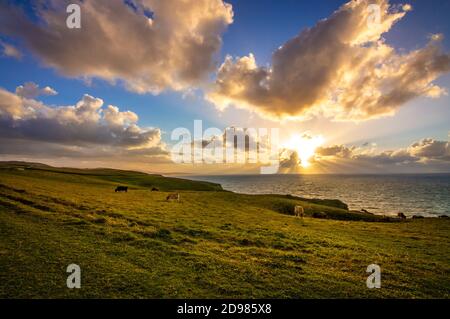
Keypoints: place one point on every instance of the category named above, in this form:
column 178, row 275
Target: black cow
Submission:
column 154, row 189
column 401, row 216
column 121, row 189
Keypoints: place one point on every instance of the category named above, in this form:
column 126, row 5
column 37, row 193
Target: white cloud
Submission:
column 10, row 50
column 31, row 90
column 114, row 117
column 340, row 68
column 10, row 105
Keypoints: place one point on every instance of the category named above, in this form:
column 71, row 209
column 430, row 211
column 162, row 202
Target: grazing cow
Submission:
column 299, row 211
column 418, row 217
column 154, row 189
column 320, row 215
column 121, row 189
column 401, row 216
column 175, row 196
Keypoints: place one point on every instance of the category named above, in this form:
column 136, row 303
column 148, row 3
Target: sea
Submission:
column 419, row 194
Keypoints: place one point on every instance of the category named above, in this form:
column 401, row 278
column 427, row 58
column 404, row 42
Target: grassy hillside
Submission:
column 130, row 178
column 212, row 243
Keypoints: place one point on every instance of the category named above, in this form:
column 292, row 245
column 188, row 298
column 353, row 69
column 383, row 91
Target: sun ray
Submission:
column 305, row 146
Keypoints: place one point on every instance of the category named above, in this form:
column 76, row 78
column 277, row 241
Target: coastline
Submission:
column 381, row 194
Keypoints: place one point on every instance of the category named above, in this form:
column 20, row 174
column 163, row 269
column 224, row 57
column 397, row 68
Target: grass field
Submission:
column 211, row 244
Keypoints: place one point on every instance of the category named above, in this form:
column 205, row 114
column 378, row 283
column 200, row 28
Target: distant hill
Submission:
column 21, row 164
column 127, row 177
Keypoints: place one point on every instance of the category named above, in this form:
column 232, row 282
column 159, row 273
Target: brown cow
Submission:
column 174, row 196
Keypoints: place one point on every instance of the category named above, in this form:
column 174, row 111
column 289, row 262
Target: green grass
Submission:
column 211, row 244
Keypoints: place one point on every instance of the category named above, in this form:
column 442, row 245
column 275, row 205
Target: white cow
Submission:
column 175, row 196
column 299, row 211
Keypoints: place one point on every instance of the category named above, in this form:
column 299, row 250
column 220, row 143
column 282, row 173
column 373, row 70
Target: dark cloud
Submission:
column 431, row 149
column 291, row 162
column 336, row 150
column 27, row 126
column 386, row 158
column 425, row 151
column 172, row 48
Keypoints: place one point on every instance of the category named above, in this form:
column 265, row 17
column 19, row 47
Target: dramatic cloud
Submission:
column 336, row 150
column 431, row 149
column 10, row 50
column 290, row 162
column 396, row 157
column 340, row 68
column 150, row 45
column 31, row 90
column 28, row 126
column 423, row 151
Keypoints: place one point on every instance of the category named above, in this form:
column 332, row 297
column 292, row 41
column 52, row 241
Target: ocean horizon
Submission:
column 384, row 194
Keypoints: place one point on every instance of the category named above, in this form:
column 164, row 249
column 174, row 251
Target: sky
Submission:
column 349, row 91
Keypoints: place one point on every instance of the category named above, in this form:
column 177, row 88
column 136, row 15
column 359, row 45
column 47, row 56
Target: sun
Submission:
column 305, row 146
